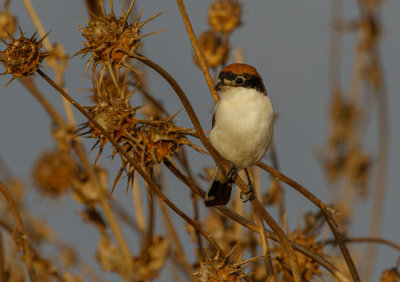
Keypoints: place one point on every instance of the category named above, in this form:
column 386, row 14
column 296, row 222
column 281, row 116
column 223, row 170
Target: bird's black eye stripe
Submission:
column 239, row 80
column 249, row 81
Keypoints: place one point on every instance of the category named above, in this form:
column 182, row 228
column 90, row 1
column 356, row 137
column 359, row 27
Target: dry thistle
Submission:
column 89, row 191
column 344, row 115
column 220, row 269
column 149, row 263
column 44, row 268
column 8, row 24
column 111, row 41
column 214, row 49
column 109, row 258
column 114, row 115
column 309, row 268
column 345, row 158
column 225, row 15
column 22, row 56
column 54, row 172
column 358, row 167
column 149, row 141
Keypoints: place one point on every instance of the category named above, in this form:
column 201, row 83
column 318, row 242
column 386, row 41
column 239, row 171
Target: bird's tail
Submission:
column 220, row 190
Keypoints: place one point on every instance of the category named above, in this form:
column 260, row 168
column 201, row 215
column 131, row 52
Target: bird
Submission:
column 242, row 126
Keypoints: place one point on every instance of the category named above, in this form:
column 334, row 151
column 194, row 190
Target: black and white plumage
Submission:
column 242, row 125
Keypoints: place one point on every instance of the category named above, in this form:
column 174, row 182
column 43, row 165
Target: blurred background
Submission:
column 304, row 65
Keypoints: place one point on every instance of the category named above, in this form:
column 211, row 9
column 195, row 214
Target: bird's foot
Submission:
column 232, row 173
column 249, row 195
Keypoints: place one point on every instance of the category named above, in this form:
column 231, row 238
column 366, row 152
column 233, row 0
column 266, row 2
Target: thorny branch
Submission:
column 132, row 162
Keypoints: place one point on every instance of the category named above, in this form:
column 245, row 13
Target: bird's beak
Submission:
column 218, row 86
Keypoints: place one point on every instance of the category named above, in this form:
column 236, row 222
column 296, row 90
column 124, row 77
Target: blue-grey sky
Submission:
column 287, row 41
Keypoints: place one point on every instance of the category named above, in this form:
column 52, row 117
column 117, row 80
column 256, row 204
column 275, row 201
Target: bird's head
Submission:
column 239, row 75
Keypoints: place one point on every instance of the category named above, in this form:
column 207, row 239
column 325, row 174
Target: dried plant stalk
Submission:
column 20, row 231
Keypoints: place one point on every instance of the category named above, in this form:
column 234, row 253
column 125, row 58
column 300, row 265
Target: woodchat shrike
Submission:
column 241, row 127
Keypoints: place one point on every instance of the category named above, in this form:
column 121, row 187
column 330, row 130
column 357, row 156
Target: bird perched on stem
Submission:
column 241, row 128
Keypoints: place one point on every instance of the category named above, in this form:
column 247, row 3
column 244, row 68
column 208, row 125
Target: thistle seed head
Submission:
column 225, row 15
column 111, row 41
column 54, row 172
column 220, row 269
column 214, row 49
column 22, row 56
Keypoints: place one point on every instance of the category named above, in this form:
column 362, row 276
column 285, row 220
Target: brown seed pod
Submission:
column 111, row 41
column 214, row 49
column 22, row 56
column 225, row 15
column 54, row 172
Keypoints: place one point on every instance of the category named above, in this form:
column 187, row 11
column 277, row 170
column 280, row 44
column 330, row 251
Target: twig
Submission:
column 30, row 85
column 325, row 211
column 137, row 203
column 184, row 161
column 265, row 249
column 374, row 240
column 181, row 254
column 20, row 230
column 283, row 240
column 275, row 165
column 378, row 198
column 124, row 215
column 196, row 49
column 148, row 233
column 37, row 23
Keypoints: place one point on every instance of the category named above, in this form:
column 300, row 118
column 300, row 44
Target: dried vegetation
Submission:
column 229, row 244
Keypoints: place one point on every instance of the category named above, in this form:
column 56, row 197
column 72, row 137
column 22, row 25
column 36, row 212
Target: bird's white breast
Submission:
column 243, row 126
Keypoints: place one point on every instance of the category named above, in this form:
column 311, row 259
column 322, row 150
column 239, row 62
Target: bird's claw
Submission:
column 247, row 196
column 232, row 174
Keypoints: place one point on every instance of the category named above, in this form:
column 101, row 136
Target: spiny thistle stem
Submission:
column 132, row 162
